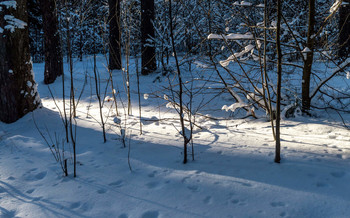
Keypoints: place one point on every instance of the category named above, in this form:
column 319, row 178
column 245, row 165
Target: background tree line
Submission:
column 141, row 28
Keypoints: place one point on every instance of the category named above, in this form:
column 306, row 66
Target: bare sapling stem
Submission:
column 138, row 91
column 180, row 93
column 99, row 100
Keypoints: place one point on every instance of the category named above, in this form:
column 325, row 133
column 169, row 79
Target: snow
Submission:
column 335, row 6
column 233, row 174
column 232, row 36
column 8, row 4
column 13, row 23
column 242, row 3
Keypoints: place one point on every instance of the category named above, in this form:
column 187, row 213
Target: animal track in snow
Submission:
column 321, row 185
column 283, row 214
column 11, row 178
column 207, row 200
column 193, row 188
column 74, row 205
column 30, row 177
column 101, row 191
column 152, row 185
column 30, row 191
column 338, row 174
column 150, row 214
column 117, row 184
column 153, row 174
column 239, row 202
column 124, row 215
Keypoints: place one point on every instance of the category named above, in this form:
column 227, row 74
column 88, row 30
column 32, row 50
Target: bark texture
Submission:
column 53, row 52
column 18, row 90
column 344, row 30
column 115, row 57
column 149, row 63
column 306, row 100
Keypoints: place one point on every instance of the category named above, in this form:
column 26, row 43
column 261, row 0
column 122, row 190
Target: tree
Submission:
column 17, row 86
column 115, row 58
column 344, row 27
column 149, row 63
column 279, row 81
column 309, row 57
column 53, row 53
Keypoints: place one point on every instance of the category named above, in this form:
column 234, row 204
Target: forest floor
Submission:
column 233, row 174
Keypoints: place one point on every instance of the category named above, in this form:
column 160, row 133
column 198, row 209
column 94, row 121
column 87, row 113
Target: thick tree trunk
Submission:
column 306, row 100
column 115, row 57
column 53, row 52
column 17, row 86
column 344, row 30
column 148, row 61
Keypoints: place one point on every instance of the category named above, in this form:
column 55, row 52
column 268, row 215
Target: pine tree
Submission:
column 115, row 59
column 17, row 86
column 149, row 63
column 53, row 53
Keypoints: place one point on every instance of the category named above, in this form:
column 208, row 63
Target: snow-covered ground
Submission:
column 233, row 174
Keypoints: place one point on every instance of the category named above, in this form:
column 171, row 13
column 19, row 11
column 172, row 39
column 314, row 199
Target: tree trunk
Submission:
column 306, row 100
column 279, row 81
column 53, row 52
column 344, row 30
column 149, row 63
column 115, row 57
column 17, row 86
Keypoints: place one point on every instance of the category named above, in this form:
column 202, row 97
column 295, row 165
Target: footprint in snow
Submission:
column 11, row 178
column 321, row 185
column 193, row 188
column 74, row 205
column 101, row 191
column 278, row 204
column 283, row 214
column 40, row 175
column 153, row 174
column 117, row 184
column 239, row 202
column 124, row 215
column 152, row 185
column 207, row 200
column 150, row 214
column 30, row 191
column 338, row 174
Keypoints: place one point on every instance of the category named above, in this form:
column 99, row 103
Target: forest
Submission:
column 174, row 108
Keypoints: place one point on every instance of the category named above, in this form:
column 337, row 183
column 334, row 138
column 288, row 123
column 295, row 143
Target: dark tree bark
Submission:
column 344, row 30
column 115, row 56
column 306, row 100
column 53, row 52
column 279, row 81
column 148, row 61
column 17, row 86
